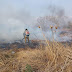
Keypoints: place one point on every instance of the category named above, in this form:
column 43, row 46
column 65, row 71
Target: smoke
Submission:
column 56, row 11
column 14, row 22
column 55, row 18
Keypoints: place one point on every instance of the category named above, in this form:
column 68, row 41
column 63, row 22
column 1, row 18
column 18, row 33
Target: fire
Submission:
column 56, row 27
column 51, row 27
column 39, row 27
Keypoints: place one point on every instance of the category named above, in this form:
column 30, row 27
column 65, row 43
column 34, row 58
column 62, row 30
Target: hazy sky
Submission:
column 35, row 7
column 16, row 15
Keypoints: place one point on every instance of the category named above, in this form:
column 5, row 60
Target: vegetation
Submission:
column 53, row 57
column 56, row 58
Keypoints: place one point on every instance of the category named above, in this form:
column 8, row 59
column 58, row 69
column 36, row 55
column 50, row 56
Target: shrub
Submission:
column 28, row 68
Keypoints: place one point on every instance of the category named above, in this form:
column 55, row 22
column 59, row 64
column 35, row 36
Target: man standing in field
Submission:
column 26, row 35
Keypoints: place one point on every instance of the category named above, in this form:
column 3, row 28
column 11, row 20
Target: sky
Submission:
column 35, row 7
column 16, row 15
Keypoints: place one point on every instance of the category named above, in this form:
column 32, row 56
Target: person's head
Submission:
column 26, row 29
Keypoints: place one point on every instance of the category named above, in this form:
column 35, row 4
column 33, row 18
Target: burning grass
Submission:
column 52, row 58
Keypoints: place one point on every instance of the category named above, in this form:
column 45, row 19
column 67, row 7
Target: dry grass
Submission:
column 49, row 59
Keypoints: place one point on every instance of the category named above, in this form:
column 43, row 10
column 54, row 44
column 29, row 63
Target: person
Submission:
column 26, row 35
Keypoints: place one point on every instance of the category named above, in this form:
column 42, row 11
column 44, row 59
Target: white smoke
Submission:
column 14, row 22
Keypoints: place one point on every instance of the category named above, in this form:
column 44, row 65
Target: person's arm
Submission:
column 24, row 33
column 29, row 33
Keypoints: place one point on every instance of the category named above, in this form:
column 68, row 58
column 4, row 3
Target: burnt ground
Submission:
column 32, row 44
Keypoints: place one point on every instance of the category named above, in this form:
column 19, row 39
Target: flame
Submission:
column 51, row 26
column 38, row 26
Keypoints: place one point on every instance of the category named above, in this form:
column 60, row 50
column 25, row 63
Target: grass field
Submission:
column 54, row 57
